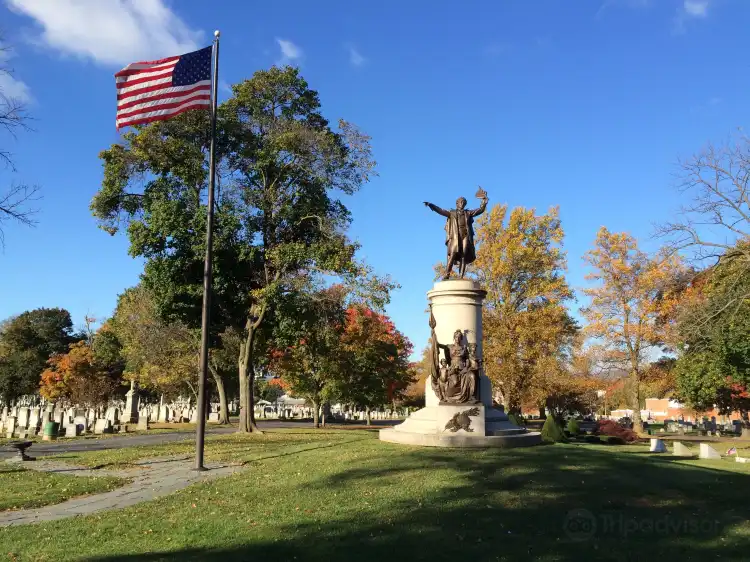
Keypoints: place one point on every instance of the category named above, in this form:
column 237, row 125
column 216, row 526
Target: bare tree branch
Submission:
column 14, row 202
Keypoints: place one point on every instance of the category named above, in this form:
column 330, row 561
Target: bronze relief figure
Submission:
column 459, row 232
column 454, row 377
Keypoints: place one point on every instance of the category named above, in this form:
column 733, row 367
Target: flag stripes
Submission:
column 156, row 90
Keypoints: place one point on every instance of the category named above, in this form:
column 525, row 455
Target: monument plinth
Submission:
column 458, row 408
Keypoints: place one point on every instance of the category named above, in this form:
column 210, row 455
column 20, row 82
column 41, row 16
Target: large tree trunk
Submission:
column 242, row 426
column 316, row 413
column 636, row 392
column 368, row 416
column 251, row 397
column 246, row 376
column 223, row 408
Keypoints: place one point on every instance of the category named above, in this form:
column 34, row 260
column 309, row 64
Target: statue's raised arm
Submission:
column 438, row 210
column 482, row 195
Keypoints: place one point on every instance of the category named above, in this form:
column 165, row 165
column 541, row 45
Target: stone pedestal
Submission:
column 130, row 414
column 457, row 305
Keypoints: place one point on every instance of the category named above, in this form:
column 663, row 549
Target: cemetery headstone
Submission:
column 10, row 426
column 708, row 452
column 130, row 413
column 102, row 426
column 680, row 450
column 34, row 421
column 658, row 446
column 81, row 422
column 22, row 420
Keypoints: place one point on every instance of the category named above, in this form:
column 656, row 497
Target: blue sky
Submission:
column 586, row 105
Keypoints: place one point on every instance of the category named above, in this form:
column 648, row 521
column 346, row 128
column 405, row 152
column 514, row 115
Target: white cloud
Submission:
column 690, row 9
column 290, row 53
column 11, row 87
column 355, row 57
column 696, row 8
column 113, row 32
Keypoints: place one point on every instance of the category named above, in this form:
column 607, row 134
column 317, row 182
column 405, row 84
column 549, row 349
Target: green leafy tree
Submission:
column 279, row 221
column 27, row 341
column 159, row 355
column 714, row 364
column 375, row 359
column 308, row 357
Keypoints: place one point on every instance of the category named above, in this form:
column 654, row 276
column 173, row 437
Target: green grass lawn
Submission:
column 21, row 488
column 233, row 448
column 345, row 496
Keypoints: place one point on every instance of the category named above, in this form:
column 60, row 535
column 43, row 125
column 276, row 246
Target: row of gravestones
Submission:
column 705, row 451
column 709, row 426
column 24, row 421
column 387, row 414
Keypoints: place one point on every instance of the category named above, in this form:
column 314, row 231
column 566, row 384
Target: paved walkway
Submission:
column 154, row 478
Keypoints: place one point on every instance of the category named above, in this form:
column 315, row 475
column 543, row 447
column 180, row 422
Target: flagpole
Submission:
column 200, row 430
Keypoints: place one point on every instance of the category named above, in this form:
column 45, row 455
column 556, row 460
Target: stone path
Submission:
column 152, row 479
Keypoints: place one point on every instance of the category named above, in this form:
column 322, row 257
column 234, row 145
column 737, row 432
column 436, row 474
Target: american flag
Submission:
column 160, row 89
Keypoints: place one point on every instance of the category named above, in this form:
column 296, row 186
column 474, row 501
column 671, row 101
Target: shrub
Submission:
column 574, row 428
column 516, row 419
column 551, row 431
column 614, row 429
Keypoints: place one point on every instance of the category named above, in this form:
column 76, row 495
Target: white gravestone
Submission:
column 34, row 421
column 708, row 452
column 658, row 446
column 10, row 426
column 102, row 426
column 22, row 420
column 680, row 450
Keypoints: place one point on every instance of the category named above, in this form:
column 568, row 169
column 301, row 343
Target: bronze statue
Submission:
column 455, row 377
column 461, row 420
column 459, row 232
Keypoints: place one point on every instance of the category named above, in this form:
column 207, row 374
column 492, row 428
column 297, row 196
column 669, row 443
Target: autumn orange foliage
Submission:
column 77, row 377
column 633, row 305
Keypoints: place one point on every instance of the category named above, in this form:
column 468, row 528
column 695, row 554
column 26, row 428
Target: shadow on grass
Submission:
column 552, row 503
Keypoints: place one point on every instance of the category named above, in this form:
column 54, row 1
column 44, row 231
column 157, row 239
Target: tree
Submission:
column 78, row 377
column 526, row 325
column 27, row 341
column 278, row 221
column 713, row 368
column 271, row 389
column 659, row 379
column 158, row 355
column 574, row 389
column 718, row 215
column 14, row 200
column 308, row 356
column 375, row 357
column 632, row 304
column 222, row 364
column 414, row 395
